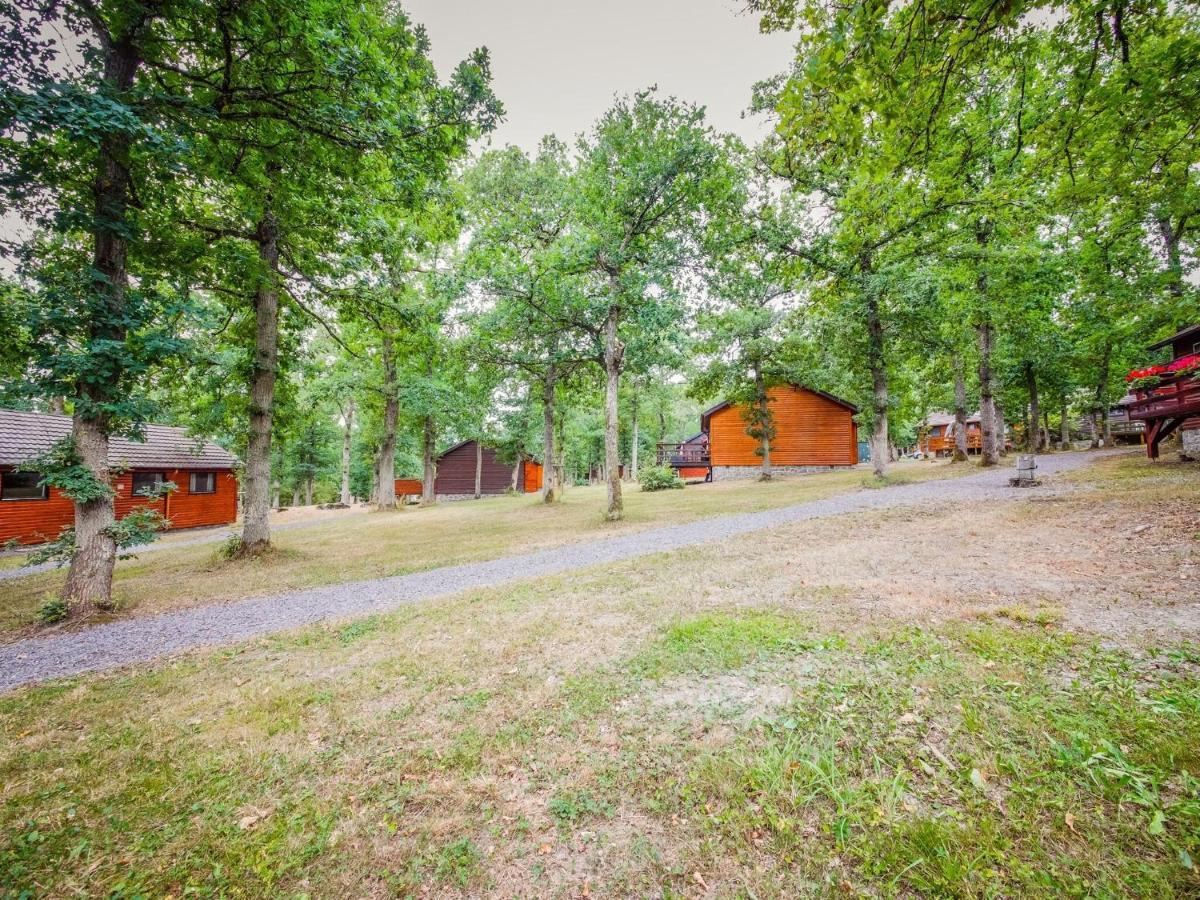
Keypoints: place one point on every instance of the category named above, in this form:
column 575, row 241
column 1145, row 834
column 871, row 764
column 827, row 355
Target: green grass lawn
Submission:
column 756, row 720
column 382, row 544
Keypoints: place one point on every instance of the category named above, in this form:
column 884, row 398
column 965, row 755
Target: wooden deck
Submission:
column 689, row 460
column 1165, row 407
column 942, row 444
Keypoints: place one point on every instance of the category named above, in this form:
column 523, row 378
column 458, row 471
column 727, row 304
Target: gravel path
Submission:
column 141, row 639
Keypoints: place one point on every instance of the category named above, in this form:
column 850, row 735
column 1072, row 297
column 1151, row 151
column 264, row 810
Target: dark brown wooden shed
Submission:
column 456, row 473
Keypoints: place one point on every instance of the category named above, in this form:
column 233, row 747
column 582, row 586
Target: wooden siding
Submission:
column 456, row 472
column 810, row 430
column 37, row 521
column 532, row 476
column 408, row 487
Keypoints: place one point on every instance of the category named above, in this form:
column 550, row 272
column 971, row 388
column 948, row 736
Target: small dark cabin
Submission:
column 456, row 473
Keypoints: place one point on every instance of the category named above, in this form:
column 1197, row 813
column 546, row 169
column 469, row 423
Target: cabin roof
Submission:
column 27, row 435
column 1190, row 331
column 704, row 416
column 944, row 418
column 461, row 444
column 454, row 447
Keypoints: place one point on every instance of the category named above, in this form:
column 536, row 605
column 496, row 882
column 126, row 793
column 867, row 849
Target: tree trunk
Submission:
column 308, row 490
column 1001, row 430
column 1170, row 239
column 429, row 476
column 1032, row 439
column 549, row 475
column 275, row 498
column 561, row 464
column 762, row 404
column 1099, row 401
column 633, row 453
column 256, row 532
column 347, row 434
column 613, row 355
column 479, row 470
column 296, row 495
column 1108, row 439
column 880, row 445
column 89, row 580
column 960, row 408
column 989, row 454
column 386, row 460
column 1064, row 427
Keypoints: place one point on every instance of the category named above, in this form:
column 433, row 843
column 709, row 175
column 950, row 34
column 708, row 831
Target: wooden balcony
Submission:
column 935, row 444
column 1165, row 407
column 689, row 460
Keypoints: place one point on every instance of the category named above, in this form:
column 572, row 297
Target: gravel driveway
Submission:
column 141, row 639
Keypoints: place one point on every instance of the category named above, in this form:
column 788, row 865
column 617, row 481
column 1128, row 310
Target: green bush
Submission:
column 53, row 609
column 660, row 478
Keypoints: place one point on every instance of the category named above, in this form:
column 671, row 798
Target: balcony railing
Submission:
column 680, row 456
column 1174, row 397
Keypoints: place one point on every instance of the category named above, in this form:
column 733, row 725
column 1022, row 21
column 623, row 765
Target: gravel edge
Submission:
column 116, row 644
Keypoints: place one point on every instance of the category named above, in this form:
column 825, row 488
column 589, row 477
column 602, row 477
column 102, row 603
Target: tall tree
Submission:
column 649, row 171
column 85, row 154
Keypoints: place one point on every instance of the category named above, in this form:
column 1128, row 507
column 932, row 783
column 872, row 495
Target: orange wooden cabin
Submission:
column 206, row 488
column 937, row 436
column 813, row 431
column 532, row 478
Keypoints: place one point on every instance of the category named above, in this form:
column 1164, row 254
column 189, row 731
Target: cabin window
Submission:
column 202, row 483
column 147, row 484
column 22, row 486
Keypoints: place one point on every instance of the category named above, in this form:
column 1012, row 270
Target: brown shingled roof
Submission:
column 27, row 435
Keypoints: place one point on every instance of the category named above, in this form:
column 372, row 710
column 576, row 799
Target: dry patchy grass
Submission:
column 826, row 709
column 350, row 547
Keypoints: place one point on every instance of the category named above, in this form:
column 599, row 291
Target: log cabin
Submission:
column 206, row 488
column 1166, row 397
column 937, row 437
column 457, row 481
column 814, row 431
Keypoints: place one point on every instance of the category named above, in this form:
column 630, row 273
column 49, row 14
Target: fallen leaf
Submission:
column 909, row 718
column 979, row 779
column 545, row 849
column 1157, row 823
column 699, row 879
column 1070, row 820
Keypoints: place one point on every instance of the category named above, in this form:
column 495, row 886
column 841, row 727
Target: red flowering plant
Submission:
column 1185, row 365
column 1151, row 376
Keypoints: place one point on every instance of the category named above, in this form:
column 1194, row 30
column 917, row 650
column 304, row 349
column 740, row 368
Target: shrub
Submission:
column 230, row 548
column 660, row 478
column 53, row 609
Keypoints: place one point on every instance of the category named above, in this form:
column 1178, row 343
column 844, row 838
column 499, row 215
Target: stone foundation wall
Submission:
column 730, row 473
column 453, row 498
column 1191, row 442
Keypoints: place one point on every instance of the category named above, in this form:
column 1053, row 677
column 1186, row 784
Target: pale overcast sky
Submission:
column 557, row 64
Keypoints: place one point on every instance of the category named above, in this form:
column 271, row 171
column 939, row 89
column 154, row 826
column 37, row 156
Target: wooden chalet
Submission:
column 813, row 431
column 1166, row 397
column 937, row 434
column 206, row 489
column 455, row 478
